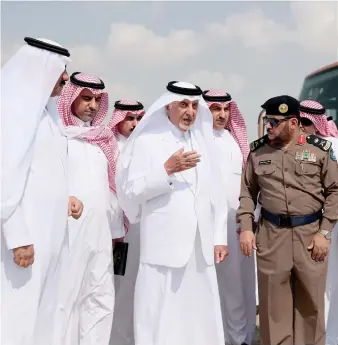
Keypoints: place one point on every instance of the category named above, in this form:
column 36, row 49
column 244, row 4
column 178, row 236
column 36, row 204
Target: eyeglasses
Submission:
column 274, row 122
column 305, row 121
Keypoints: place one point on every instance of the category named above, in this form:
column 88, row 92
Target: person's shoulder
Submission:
column 321, row 143
column 259, row 143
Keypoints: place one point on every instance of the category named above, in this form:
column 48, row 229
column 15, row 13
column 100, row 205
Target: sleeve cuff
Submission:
column 327, row 224
column 15, row 231
column 220, row 239
column 246, row 224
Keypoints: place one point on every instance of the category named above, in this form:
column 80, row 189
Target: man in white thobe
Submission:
column 167, row 178
column 314, row 121
column 89, row 299
column 236, row 275
column 34, row 197
column 126, row 116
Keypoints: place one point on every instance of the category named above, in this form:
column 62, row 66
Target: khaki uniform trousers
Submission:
column 291, row 286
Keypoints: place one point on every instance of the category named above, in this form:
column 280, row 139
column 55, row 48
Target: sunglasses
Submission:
column 274, row 122
column 305, row 122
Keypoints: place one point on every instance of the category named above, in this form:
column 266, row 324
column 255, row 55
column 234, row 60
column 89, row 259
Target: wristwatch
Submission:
column 326, row 234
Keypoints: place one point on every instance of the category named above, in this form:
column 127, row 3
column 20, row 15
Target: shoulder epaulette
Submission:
column 259, row 143
column 321, row 143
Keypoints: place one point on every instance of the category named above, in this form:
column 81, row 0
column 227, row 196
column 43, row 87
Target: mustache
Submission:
column 62, row 83
column 190, row 118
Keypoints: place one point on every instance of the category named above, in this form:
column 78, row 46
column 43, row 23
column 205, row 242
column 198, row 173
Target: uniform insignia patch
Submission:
column 267, row 162
column 321, row 143
column 259, row 143
column 298, row 156
column 332, row 155
column 301, row 140
column 306, row 156
column 283, row 108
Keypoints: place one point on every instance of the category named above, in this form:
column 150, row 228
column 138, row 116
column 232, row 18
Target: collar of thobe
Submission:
column 220, row 133
column 82, row 123
column 121, row 138
column 178, row 134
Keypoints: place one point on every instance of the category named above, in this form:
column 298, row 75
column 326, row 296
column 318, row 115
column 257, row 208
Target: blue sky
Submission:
column 253, row 50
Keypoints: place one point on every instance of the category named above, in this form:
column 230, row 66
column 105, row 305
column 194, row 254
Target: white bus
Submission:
column 320, row 85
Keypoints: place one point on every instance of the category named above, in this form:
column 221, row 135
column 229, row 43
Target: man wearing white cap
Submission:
column 236, row 275
column 167, row 178
column 34, row 191
column 126, row 116
column 314, row 121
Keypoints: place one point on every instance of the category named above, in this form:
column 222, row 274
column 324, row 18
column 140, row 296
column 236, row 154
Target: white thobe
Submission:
column 29, row 295
column 331, row 296
column 88, row 300
column 123, row 325
column 177, row 304
column 236, row 275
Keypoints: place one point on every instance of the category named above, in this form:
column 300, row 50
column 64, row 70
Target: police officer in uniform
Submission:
column 296, row 178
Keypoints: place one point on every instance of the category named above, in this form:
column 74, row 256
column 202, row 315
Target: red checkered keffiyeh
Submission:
column 333, row 129
column 236, row 123
column 315, row 112
column 119, row 115
column 100, row 134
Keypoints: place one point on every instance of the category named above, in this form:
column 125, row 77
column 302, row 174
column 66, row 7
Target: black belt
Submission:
column 285, row 221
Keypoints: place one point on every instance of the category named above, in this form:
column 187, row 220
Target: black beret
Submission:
column 282, row 105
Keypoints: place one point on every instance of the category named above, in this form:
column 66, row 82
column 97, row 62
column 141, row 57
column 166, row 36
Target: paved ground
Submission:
column 256, row 341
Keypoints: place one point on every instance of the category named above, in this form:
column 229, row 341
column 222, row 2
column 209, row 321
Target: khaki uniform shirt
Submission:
column 296, row 181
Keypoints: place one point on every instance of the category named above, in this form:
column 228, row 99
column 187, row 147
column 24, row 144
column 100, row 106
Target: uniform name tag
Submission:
column 267, row 162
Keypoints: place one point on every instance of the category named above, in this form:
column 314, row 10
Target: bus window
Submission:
column 323, row 88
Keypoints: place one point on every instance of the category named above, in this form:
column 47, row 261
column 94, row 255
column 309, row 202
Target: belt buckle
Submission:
column 284, row 221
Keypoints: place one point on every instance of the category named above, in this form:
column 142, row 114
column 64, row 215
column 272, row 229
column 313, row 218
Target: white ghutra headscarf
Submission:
column 27, row 81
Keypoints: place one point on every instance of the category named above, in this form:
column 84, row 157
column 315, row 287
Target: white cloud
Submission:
column 216, row 80
column 121, row 91
column 88, row 59
column 138, row 44
column 316, row 25
column 252, row 29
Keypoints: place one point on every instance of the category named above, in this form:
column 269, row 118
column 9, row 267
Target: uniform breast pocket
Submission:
column 265, row 170
column 306, row 169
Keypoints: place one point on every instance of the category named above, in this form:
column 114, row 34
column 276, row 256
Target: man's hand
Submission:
column 319, row 247
column 181, row 161
column 75, row 207
column 247, row 241
column 24, row 256
column 220, row 252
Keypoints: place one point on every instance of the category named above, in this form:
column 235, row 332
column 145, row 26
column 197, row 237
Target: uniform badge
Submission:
column 305, row 155
column 298, row 156
column 301, row 139
column 283, row 108
column 267, row 162
column 313, row 158
column 332, row 155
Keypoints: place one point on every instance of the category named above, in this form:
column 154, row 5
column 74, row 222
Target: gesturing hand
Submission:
column 181, row 161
